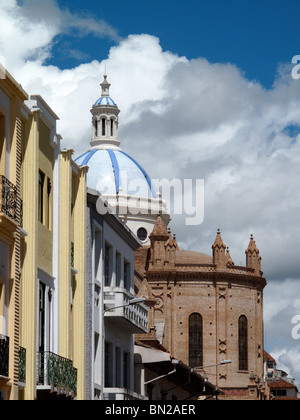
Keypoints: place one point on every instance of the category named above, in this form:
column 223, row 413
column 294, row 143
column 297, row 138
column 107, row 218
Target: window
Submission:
column 103, row 126
column 2, row 145
column 48, row 216
column 279, row 392
column 96, row 128
column 243, row 343
column 196, row 340
column 97, row 254
column 142, row 234
column 126, row 367
column 118, row 269
column 127, row 275
column 111, row 128
column 97, row 296
column 107, row 265
column 2, row 301
column 108, row 365
column 41, row 196
column 42, row 317
column 118, row 368
column 45, row 199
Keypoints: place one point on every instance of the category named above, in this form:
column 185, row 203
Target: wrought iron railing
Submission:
column 22, row 364
column 8, row 198
column 57, row 371
column 4, row 355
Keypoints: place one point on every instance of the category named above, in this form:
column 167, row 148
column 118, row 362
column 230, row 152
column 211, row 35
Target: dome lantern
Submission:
column 105, row 85
column 105, row 121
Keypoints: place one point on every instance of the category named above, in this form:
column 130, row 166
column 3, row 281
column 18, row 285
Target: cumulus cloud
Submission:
column 282, row 305
column 185, row 119
column 28, row 29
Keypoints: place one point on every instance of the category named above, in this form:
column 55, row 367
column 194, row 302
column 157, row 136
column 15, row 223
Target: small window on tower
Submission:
column 111, row 128
column 103, row 126
column 41, row 196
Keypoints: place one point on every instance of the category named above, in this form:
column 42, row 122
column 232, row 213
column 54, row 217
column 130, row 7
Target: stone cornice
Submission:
column 224, row 276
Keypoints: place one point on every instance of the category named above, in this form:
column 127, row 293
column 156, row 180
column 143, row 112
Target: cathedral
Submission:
column 204, row 310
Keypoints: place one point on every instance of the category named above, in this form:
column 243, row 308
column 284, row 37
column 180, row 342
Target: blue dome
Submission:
column 110, row 170
column 105, row 100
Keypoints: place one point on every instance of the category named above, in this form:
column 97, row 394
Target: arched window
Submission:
column 111, row 127
column 103, row 126
column 243, row 343
column 196, row 340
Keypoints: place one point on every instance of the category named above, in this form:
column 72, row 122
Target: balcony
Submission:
column 4, row 356
column 133, row 318
column 8, row 203
column 56, row 374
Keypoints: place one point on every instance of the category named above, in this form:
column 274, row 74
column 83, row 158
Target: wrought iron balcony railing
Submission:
column 54, row 370
column 22, row 364
column 8, row 198
column 4, row 355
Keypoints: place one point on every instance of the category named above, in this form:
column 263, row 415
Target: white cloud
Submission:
column 281, row 305
column 182, row 118
column 28, row 29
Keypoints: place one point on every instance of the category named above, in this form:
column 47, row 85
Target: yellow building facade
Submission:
column 12, row 97
column 53, row 192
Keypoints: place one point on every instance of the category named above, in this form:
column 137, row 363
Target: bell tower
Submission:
column 105, row 120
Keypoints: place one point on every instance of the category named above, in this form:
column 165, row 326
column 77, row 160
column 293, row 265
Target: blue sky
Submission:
column 255, row 35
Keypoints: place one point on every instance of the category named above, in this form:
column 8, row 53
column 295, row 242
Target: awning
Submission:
column 181, row 375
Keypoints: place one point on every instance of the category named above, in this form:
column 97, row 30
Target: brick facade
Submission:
column 180, row 283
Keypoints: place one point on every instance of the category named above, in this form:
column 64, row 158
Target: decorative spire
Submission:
column 252, row 246
column 228, row 259
column 219, row 251
column 159, row 230
column 105, row 85
column 253, row 259
column 219, row 241
column 105, row 119
column 163, row 247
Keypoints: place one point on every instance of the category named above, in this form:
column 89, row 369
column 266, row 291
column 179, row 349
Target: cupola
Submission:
column 105, row 121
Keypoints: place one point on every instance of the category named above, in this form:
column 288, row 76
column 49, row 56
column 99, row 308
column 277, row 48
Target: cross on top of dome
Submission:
column 105, row 98
column 105, row 119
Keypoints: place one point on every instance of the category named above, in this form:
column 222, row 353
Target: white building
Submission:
column 111, row 321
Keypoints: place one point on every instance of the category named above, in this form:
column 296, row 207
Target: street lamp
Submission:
column 133, row 301
column 223, row 362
